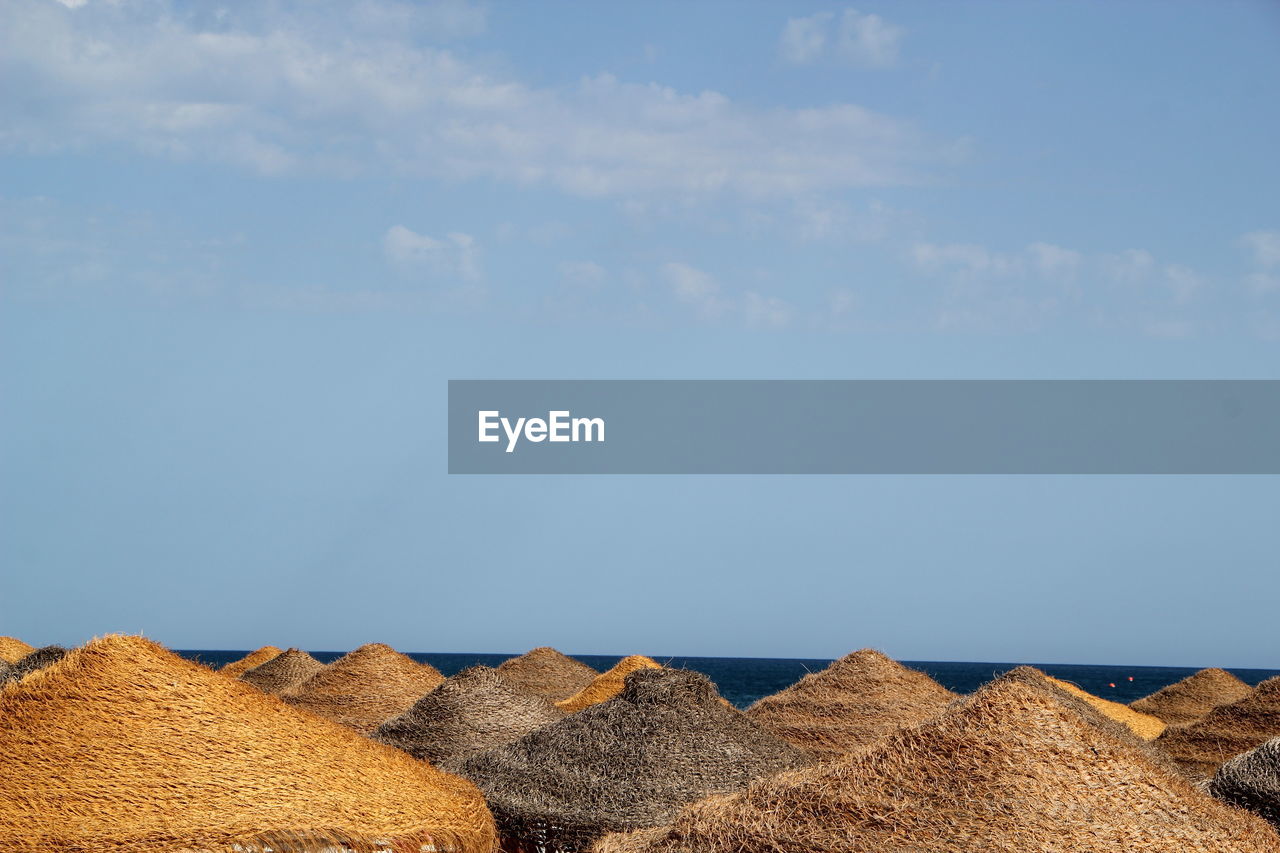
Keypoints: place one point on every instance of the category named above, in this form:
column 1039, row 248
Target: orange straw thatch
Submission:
column 124, row 746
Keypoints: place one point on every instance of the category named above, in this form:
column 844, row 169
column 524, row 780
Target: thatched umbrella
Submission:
column 1144, row 726
column 1252, row 781
column 366, row 687
column 854, row 702
column 257, row 657
column 123, row 747
column 665, row 741
column 1226, row 731
column 1007, row 770
column 1193, row 697
column 13, row 650
column 283, row 672
column 38, row 659
column 606, row 685
column 473, row 711
column 548, row 673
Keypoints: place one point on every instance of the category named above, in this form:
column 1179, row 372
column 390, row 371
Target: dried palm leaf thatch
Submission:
column 1252, row 781
column 854, row 702
column 1009, row 769
column 548, row 673
column 13, row 650
column 124, row 747
column 1144, row 726
column 38, row 659
column 606, row 685
column 1193, row 697
column 257, row 657
column 1226, row 731
column 283, row 672
column 366, row 687
column 665, row 741
column 5, row 669
column 473, row 711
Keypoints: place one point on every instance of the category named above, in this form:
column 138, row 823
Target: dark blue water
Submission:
column 744, row 680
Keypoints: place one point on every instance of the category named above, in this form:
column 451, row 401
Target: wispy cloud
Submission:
column 852, row 37
column 345, row 89
column 451, row 256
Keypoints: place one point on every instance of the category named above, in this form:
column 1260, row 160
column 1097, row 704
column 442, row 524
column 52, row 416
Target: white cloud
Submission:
column 868, row 40
column 693, row 286
column 344, row 89
column 765, row 311
column 1053, row 260
column 803, row 40
column 1264, row 246
column 864, row 40
column 1261, row 282
column 964, row 258
column 586, row 274
column 1130, row 266
column 453, row 256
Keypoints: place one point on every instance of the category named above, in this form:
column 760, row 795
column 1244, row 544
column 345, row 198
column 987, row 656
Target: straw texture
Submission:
column 366, row 687
column 1252, row 781
column 1144, row 726
column 1006, row 770
column 473, row 711
column 13, row 650
column 5, row 669
column 548, row 673
column 38, row 659
column 257, row 657
column 283, row 672
column 1226, row 731
column 854, row 702
column 124, row 746
column 606, row 685
column 1193, row 697
column 666, row 740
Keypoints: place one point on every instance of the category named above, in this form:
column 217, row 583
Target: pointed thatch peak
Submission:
column 283, row 672
column 366, row 687
column 1252, row 781
column 548, row 673
column 471, row 712
column 854, row 702
column 257, row 657
column 13, row 650
column 1006, row 770
column 38, row 659
column 1226, row 731
column 1193, row 697
column 1144, row 726
column 606, row 685
column 124, row 746
column 666, row 740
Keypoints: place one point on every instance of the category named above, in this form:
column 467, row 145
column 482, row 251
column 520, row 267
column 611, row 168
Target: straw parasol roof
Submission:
column 665, row 741
column 283, row 672
column 13, row 650
column 473, row 711
column 1226, row 731
column 38, row 659
column 257, row 657
column 548, row 673
column 854, row 702
column 1252, row 781
column 124, row 746
column 1193, row 697
column 1144, row 726
column 606, row 685
column 364, row 688
column 1007, row 770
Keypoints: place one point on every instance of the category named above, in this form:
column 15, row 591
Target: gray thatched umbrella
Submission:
column 38, row 659
column 5, row 669
column 285, row 670
column 1252, row 781
column 666, row 740
column 548, row 673
column 474, row 711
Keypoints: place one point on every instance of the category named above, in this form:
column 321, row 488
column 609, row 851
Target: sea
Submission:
column 744, row 680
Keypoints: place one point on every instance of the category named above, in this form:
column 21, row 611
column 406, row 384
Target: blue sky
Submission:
column 242, row 249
